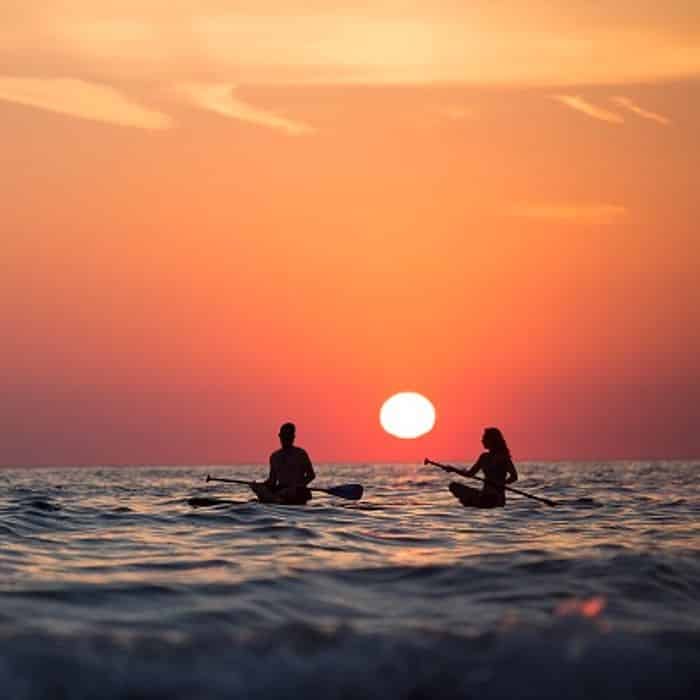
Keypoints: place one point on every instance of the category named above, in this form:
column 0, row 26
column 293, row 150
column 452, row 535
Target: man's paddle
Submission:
column 450, row 468
column 352, row 492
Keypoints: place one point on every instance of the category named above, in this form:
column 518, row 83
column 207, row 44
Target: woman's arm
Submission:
column 512, row 473
column 477, row 467
column 465, row 472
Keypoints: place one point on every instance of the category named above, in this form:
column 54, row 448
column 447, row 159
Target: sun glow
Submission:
column 407, row 415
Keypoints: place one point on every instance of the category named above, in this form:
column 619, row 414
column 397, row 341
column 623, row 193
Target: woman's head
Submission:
column 494, row 441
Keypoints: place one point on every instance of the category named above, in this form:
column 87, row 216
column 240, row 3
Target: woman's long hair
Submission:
column 495, row 442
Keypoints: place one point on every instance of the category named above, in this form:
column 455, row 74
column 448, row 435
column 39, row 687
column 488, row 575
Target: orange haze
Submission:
column 199, row 244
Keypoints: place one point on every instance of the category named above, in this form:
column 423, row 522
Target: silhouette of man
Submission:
column 291, row 472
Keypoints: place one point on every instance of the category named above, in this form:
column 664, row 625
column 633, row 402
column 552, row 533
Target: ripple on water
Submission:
column 116, row 586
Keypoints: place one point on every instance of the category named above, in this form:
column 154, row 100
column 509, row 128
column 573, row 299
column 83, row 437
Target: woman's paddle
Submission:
column 352, row 492
column 450, row 468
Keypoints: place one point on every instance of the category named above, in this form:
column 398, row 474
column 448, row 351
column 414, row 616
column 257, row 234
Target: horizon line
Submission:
column 356, row 463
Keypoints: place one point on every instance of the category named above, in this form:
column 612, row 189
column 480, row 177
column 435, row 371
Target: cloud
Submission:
column 631, row 106
column 387, row 41
column 82, row 99
column 219, row 98
column 580, row 105
column 584, row 213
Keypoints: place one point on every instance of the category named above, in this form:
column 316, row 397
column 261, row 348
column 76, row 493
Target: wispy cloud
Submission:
column 82, row 99
column 579, row 104
column 419, row 42
column 585, row 213
column 631, row 106
column 219, row 98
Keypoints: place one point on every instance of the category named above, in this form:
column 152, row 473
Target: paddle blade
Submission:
column 353, row 492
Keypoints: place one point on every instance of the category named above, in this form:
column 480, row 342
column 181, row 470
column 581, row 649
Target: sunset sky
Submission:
column 217, row 216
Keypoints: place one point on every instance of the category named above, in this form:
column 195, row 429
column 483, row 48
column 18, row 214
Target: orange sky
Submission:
column 219, row 216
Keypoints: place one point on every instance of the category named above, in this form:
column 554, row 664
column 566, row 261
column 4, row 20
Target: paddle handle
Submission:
column 229, row 481
column 490, row 483
column 352, row 492
column 248, row 483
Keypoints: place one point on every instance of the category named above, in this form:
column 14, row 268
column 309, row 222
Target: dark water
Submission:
column 113, row 586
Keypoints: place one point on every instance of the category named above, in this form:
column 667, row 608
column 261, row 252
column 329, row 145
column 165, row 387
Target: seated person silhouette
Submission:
column 291, row 472
column 498, row 469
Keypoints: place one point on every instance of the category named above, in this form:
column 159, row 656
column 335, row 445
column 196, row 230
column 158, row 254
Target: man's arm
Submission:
column 309, row 474
column 271, row 480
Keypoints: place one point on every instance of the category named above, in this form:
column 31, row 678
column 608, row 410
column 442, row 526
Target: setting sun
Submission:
column 407, row 415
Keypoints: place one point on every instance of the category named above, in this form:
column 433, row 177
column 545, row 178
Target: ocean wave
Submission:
column 567, row 657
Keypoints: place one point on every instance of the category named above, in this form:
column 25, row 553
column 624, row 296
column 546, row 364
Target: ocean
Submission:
column 113, row 586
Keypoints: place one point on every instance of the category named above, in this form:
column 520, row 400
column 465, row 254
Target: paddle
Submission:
column 449, row 467
column 352, row 492
column 204, row 502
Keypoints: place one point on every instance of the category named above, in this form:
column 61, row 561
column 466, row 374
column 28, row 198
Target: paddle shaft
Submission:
column 489, row 483
column 230, row 481
column 248, row 483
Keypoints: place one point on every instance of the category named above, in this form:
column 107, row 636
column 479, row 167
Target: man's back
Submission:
column 290, row 466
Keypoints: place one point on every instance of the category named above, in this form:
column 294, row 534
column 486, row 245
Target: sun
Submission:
column 407, row 415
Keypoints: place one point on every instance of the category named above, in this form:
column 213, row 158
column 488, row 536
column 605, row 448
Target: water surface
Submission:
column 113, row 586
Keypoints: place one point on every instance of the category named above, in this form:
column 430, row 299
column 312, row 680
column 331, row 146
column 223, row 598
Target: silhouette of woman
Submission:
column 498, row 469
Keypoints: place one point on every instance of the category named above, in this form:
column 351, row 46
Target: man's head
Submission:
column 287, row 434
